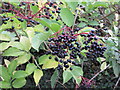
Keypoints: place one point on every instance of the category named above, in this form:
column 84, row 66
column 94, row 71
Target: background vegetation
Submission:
column 33, row 34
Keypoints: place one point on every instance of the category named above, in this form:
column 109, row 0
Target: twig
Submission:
column 75, row 18
column 39, row 87
column 17, row 34
column 47, row 46
column 59, row 83
column 62, row 84
column 36, row 62
column 116, row 83
column 98, row 73
column 108, row 14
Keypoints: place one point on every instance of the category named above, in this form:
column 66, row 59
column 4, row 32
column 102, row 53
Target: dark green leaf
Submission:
column 18, row 83
column 4, row 73
column 13, row 52
column 66, row 76
column 20, row 74
column 4, row 84
column 30, row 68
column 53, row 78
column 116, row 68
column 12, row 66
column 67, row 16
column 23, row 58
column 93, row 23
column 82, row 24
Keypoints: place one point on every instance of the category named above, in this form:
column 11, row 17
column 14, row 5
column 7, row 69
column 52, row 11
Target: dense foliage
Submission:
column 76, row 42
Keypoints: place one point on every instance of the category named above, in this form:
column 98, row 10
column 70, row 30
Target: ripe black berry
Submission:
column 56, row 59
column 69, row 60
column 11, row 20
column 33, row 4
column 50, row 57
column 71, row 68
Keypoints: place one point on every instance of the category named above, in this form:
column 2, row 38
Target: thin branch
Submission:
column 98, row 73
column 62, row 84
column 39, row 87
column 108, row 14
column 75, row 18
column 116, row 83
column 17, row 34
column 59, row 83
column 36, row 62
column 47, row 46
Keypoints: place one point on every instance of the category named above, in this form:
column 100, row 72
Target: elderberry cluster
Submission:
column 49, row 10
column 66, row 48
column 94, row 48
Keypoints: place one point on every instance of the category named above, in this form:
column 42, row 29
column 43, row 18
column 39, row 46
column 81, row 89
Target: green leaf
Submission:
column 37, row 76
column 4, row 73
column 50, row 64
column 66, row 76
column 76, row 73
column 53, row 78
column 67, row 16
column 116, row 68
column 23, row 25
column 39, row 28
column 77, row 79
column 4, row 37
column 4, row 46
column 23, row 58
column 17, row 45
column 97, row 4
column 103, row 66
column 83, row 19
column 72, row 5
column 82, row 24
column 55, row 27
column 4, row 84
column 30, row 68
column 47, row 63
column 13, row 52
column 20, row 74
column 25, row 42
column 86, row 29
column 38, row 39
column 30, row 33
column 93, row 23
column 45, row 22
column 43, row 59
column 12, row 66
column 34, row 9
column 18, row 83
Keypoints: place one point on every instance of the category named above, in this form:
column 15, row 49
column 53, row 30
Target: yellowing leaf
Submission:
column 30, row 32
column 25, row 42
column 103, row 66
column 39, row 28
column 37, row 76
column 6, row 62
column 41, row 3
column 4, row 46
column 50, row 64
column 4, row 37
column 23, row 58
column 86, row 29
column 13, row 52
column 18, row 45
